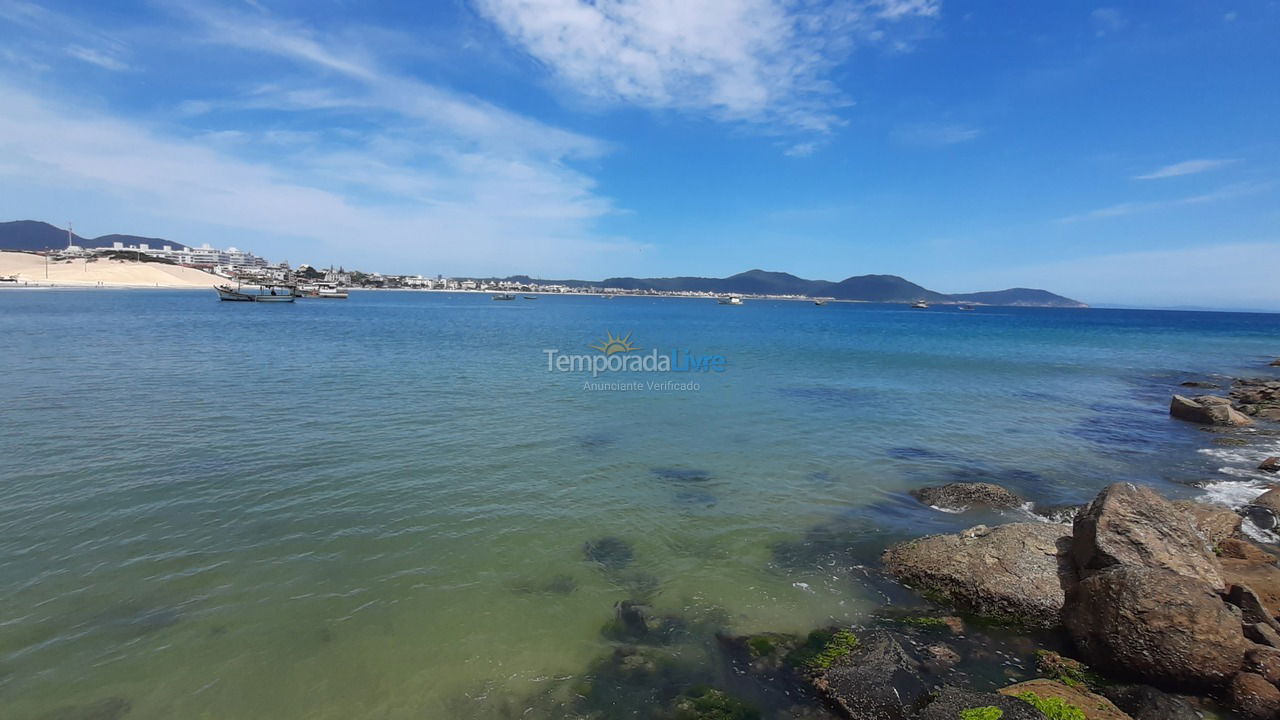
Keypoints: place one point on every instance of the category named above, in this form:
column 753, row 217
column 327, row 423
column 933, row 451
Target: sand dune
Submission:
column 30, row 269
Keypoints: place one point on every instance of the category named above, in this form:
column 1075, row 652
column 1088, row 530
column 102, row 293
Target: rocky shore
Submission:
column 1132, row 606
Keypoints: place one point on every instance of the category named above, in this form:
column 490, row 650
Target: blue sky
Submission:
column 1123, row 153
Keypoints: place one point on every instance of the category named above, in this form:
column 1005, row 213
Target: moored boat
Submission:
column 731, row 300
column 820, row 302
column 504, row 296
column 920, row 305
column 266, row 293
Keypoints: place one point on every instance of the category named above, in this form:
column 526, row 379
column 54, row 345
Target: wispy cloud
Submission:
column 1107, row 20
column 97, row 57
column 764, row 62
column 935, row 134
column 804, row 149
column 1130, row 208
column 1187, row 167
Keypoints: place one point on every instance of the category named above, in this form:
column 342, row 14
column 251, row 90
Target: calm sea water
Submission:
column 378, row 508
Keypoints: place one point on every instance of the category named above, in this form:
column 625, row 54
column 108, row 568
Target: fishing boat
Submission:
column 731, row 300
column 504, row 296
column 920, row 305
column 530, row 297
column 332, row 293
column 266, row 293
column 8, row 278
column 965, row 307
column 820, row 302
column 322, row 290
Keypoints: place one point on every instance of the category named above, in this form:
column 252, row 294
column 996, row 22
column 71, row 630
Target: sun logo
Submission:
column 612, row 345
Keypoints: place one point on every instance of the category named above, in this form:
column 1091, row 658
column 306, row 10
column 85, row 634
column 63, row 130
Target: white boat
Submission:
column 504, row 296
column 333, row 293
column 920, row 305
column 820, row 302
column 322, row 290
column 8, row 278
column 731, row 300
column 266, row 293
column 965, row 307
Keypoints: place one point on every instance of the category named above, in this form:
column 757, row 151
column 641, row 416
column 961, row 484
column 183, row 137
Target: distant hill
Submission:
column 867, row 288
column 36, row 235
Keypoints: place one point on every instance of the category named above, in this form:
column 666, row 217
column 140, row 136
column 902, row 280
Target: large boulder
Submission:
column 951, row 702
column 1215, row 522
column 962, row 496
column 872, row 679
column 1164, row 628
column 1014, row 572
column 1207, row 410
column 1131, row 525
column 1144, row 702
column 1094, row 707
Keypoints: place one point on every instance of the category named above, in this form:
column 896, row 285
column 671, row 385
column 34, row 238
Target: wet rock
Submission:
column 951, row 702
column 1207, row 410
column 1262, row 516
column 611, row 553
column 1067, row 671
column 1215, row 522
column 1013, row 572
column 1143, row 702
column 1269, row 499
column 1253, row 697
column 1131, row 525
column 877, row 679
column 1271, row 464
column 1167, row 629
column 962, row 496
column 112, row 708
column 938, row 657
column 1094, row 707
column 1200, row 384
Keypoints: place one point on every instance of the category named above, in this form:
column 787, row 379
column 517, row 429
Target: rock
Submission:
column 1271, row 464
column 706, row 703
column 940, row 656
column 1199, row 384
column 1144, row 702
column 1095, row 707
column 952, row 701
column 1207, row 410
column 1262, row 634
column 1133, row 526
column 1275, row 363
column 1255, row 698
column 1013, row 572
column 1264, row 661
column 1215, row 522
column 876, row 680
column 962, row 496
column 1262, row 581
column 1253, row 609
column 1239, row 549
column 1065, row 670
column 1164, row 628
column 1260, row 515
column 1269, row 499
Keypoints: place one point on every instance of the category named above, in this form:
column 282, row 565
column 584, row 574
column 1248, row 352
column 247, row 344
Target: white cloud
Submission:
column 804, row 149
column 935, row 134
column 1130, row 208
column 1188, row 167
column 757, row 61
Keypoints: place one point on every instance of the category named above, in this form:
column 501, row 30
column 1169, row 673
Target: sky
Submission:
column 1126, row 153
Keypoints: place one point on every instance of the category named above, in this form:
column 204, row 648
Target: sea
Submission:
column 402, row 505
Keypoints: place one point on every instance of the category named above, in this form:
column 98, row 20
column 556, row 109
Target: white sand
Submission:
column 30, row 269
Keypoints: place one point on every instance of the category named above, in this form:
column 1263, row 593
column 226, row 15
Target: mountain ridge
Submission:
column 34, row 235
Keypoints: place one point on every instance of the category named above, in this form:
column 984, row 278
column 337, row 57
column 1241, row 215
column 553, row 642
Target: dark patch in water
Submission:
column 917, row 453
column 112, row 708
column 695, row 498
column 597, row 440
column 641, row 586
column 138, row 621
column 1124, row 428
column 555, row 585
column 682, row 475
column 610, row 552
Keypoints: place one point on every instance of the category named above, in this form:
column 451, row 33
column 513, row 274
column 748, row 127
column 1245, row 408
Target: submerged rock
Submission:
column 963, row 495
column 1167, row 629
column 1130, row 525
column 1013, row 572
column 951, row 703
column 1143, row 702
column 707, row 703
column 1208, row 410
column 1200, row 384
column 1271, row 465
column 610, row 552
column 1094, row 707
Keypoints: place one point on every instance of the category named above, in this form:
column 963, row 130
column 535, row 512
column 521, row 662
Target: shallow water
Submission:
column 381, row 507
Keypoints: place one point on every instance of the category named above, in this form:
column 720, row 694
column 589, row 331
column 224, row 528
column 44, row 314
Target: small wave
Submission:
column 954, row 511
column 1233, row 493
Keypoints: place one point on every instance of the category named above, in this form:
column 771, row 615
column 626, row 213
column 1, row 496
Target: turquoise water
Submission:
column 378, row 508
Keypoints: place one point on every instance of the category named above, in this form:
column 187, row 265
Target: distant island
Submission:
column 864, row 288
column 36, row 236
